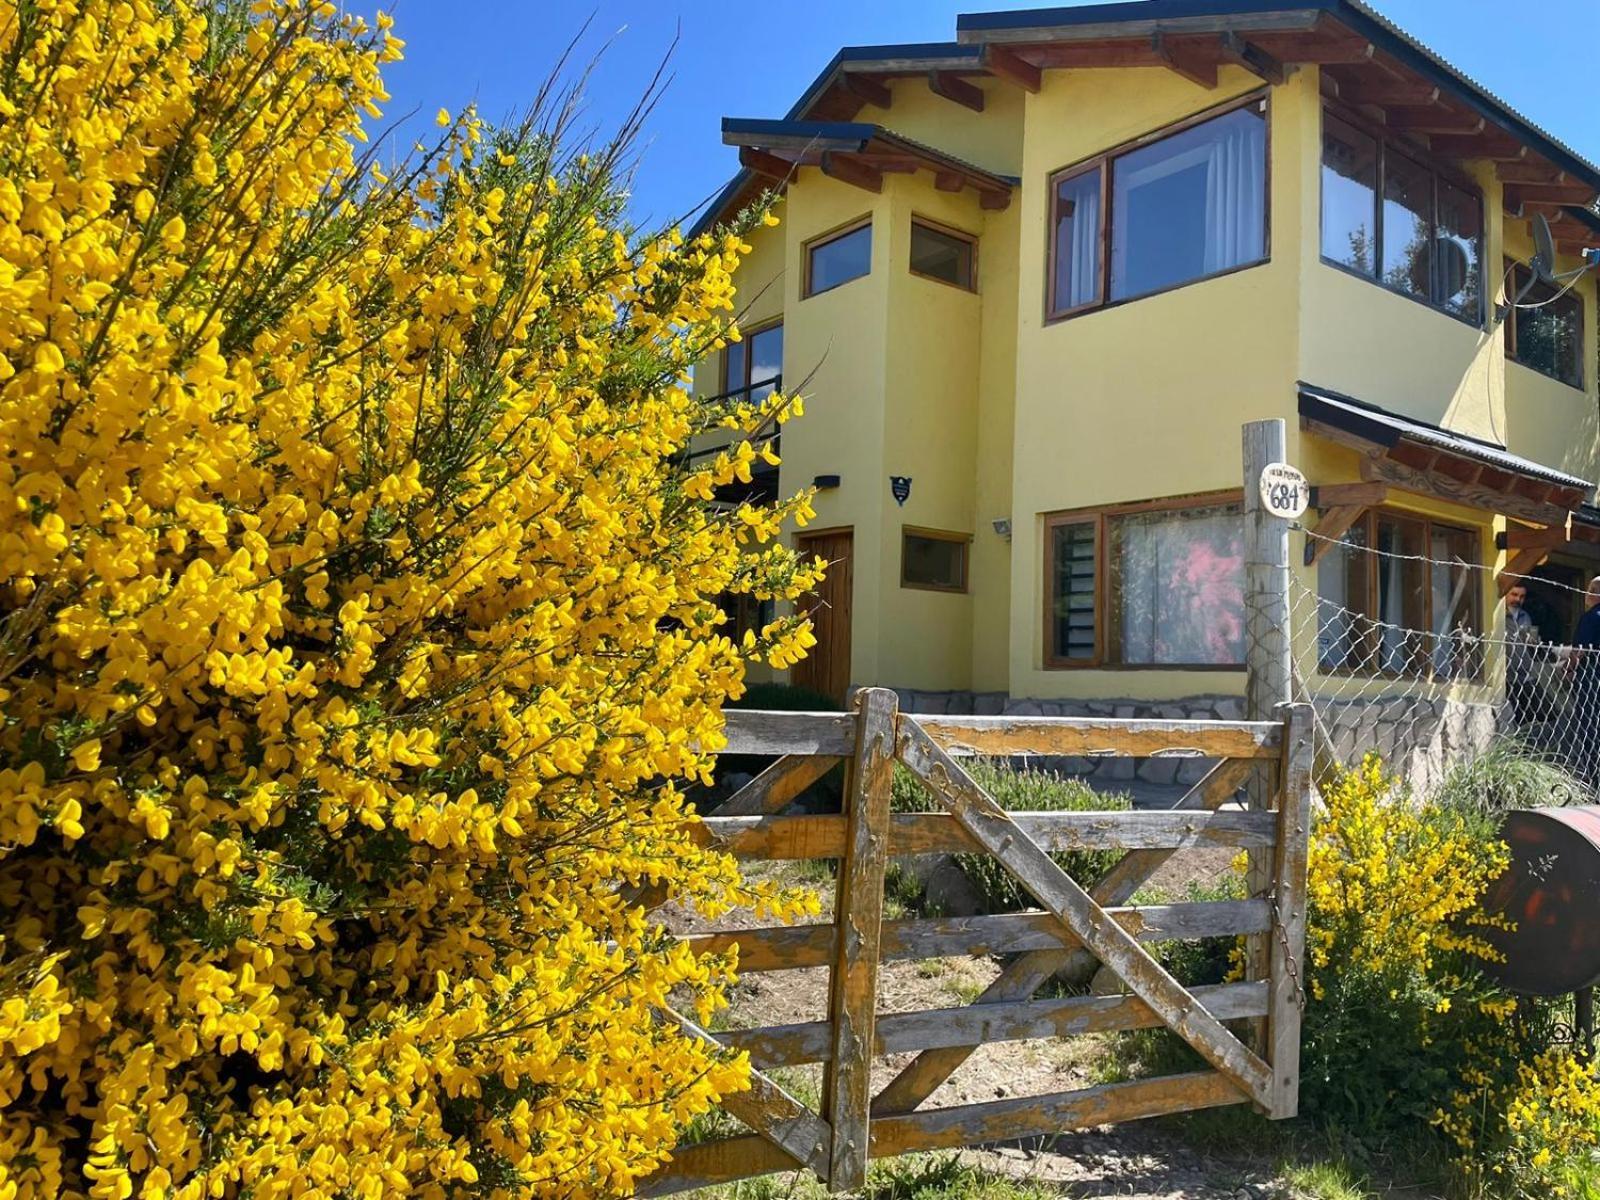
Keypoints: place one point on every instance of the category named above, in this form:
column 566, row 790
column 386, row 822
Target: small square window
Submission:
column 937, row 561
column 838, row 259
column 943, row 254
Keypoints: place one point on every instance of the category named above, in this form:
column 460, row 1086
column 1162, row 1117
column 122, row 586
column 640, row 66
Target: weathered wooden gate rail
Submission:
column 1076, row 927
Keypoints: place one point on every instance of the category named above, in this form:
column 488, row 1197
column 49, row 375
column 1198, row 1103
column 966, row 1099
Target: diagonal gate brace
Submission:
column 993, row 829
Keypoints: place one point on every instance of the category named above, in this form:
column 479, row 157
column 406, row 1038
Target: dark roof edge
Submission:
column 971, row 27
column 1381, row 429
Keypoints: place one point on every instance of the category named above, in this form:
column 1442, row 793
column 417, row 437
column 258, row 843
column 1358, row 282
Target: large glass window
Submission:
column 754, row 366
column 1187, row 206
column 1425, row 238
column 838, row 259
column 1349, row 195
column 1170, row 588
column 1545, row 330
column 944, row 254
column 1401, row 596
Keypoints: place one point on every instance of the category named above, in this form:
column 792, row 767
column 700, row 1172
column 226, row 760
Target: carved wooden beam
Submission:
column 1252, row 58
column 1330, row 527
column 1012, row 67
column 1183, row 61
column 849, row 170
column 866, row 88
column 956, row 89
column 769, row 165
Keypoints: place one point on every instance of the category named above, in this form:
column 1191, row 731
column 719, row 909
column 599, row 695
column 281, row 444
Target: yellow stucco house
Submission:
column 1034, row 280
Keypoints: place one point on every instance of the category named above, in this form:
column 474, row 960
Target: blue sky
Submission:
column 753, row 60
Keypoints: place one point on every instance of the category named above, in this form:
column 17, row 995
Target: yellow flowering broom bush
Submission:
column 1403, row 1033
column 358, row 626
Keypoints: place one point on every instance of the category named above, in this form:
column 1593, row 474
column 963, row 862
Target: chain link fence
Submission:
column 1405, row 647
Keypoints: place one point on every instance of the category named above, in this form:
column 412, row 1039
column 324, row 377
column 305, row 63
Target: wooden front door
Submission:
column 826, row 668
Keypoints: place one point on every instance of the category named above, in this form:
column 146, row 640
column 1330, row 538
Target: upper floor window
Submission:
column 754, row 367
column 838, row 258
column 1145, row 586
column 1396, row 219
column 1184, row 206
column 1545, row 330
column 944, row 254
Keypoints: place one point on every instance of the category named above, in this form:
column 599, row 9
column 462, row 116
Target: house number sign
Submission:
column 1284, row 491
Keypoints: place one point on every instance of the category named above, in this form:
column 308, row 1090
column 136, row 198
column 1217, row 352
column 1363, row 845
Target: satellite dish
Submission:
column 1544, row 250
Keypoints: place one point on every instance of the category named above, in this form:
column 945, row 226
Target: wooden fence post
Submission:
column 858, row 915
column 1289, row 895
column 1266, row 652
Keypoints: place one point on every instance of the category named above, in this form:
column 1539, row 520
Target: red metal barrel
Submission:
column 1552, row 893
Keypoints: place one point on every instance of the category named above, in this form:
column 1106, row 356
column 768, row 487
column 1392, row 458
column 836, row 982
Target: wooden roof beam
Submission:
column 868, row 90
column 1384, row 93
column 993, row 201
column 1435, row 120
column 949, row 181
column 1490, row 144
column 1258, row 62
column 1535, row 171
column 1184, row 62
column 847, row 169
column 1567, row 193
column 889, row 164
column 1321, row 49
column 1012, row 67
column 768, row 165
column 956, row 89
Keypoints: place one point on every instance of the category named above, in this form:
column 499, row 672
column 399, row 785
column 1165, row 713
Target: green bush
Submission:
column 1507, row 775
column 1020, row 789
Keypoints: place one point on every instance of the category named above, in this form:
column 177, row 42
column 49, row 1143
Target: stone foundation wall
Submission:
column 1419, row 737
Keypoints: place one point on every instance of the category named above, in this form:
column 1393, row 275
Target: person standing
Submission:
column 1521, row 636
column 1584, row 710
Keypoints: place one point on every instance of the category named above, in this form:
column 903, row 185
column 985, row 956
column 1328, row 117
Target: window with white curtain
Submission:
column 1168, row 587
column 1184, row 207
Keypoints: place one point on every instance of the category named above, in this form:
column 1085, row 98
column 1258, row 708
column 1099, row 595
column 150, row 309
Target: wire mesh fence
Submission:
column 1405, row 647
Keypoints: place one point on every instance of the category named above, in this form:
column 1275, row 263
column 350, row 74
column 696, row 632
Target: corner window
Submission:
column 838, row 258
column 1411, row 610
column 1186, row 206
column 933, row 560
column 944, row 254
column 753, row 367
column 1398, row 220
column 1146, row 587
column 1545, row 330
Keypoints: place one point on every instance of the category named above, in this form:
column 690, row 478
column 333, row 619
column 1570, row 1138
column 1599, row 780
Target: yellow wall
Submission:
column 1144, row 399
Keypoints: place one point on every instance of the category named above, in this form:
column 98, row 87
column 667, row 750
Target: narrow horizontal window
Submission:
column 943, row 254
column 933, row 560
column 1545, row 329
column 838, row 259
column 1184, row 207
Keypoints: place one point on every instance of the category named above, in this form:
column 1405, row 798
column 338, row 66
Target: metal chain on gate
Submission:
column 1288, row 955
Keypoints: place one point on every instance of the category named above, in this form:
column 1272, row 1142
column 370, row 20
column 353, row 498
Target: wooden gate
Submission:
column 1074, row 926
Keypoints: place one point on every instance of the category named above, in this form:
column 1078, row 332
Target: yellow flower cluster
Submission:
column 1388, row 887
column 359, row 625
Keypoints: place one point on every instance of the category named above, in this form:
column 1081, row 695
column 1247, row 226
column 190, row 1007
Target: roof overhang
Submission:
column 1415, row 456
column 855, row 153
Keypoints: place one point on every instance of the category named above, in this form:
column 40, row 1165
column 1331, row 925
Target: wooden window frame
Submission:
column 812, row 245
column 971, row 240
column 1438, row 169
column 1098, row 515
column 1368, row 522
column 746, row 337
column 964, row 540
column 1103, row 162
column 1513, row 269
